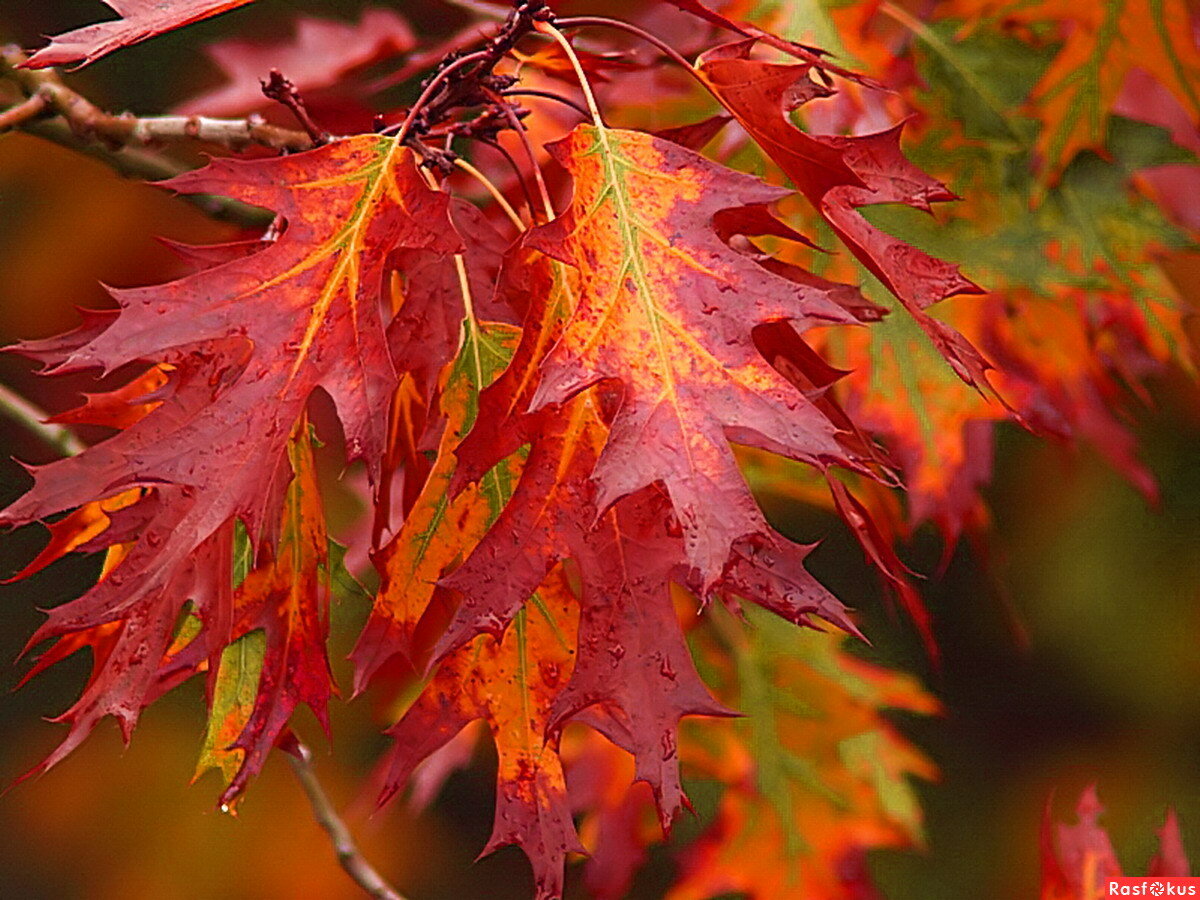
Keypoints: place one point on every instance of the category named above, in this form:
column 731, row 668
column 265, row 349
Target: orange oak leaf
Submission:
column 140, row 19
column 633, row 664
column 245, row 342
column 440, row 529
column 276, row 655
column 511, row 683
column 634, row 678
column 815, row 774
column 1102, row 44
column 121, row 407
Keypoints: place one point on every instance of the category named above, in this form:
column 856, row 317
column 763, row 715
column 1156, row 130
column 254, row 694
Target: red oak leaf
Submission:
column 140, row 19
column 245, row 343
column 839, row 174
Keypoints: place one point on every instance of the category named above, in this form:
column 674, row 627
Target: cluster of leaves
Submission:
column 555, row 398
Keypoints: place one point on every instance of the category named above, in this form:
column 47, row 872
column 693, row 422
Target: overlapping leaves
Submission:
column 244, row 343
column 564, row 485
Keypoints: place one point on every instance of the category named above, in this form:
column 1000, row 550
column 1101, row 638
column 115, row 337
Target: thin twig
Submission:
column 521, row 179
column 584, row 85
column 432, row 88
column 81, row 126
column 547, row 95
column 146, row 165
column 281, row 89
column 16, row 407
column 348, row 853
column 521, row 132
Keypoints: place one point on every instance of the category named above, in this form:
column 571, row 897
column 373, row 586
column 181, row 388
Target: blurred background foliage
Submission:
column 1069, row 637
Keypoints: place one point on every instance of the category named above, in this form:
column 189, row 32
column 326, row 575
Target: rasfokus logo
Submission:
column 1152, row 887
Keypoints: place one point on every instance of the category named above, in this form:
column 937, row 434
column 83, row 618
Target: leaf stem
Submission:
column 605, row 22
column 521, row 179
column 33, row 419
column 460, row 266
column 546, row 95
column 519, row 129
column 348, row 854
column 588, row 96
column 500, row 199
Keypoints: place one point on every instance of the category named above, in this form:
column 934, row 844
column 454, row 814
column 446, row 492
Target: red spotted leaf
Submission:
column 665, row 311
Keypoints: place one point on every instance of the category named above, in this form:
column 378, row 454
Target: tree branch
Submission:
column 52, row 111
column 348, row 854
column 88, row 120
column 27, row 110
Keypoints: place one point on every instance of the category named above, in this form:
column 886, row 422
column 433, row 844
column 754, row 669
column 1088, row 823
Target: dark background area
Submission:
column 1069, row 640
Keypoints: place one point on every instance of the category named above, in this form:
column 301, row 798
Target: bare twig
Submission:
column 348, row 854
column 603, row 21
column 119, row 141
column 16, row 407
column 89, row 121
column 279, row 88
column 147, row 165
column 434, row 85
column 519, row 129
